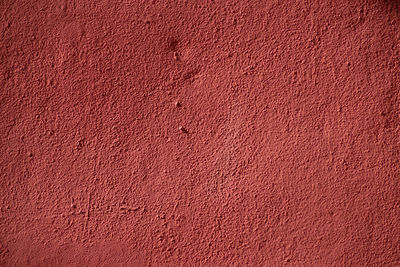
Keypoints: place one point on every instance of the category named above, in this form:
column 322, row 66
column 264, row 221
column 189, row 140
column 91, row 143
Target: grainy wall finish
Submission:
column 199, row 133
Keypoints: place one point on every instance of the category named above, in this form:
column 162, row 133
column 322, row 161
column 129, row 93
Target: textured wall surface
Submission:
column 199, row 133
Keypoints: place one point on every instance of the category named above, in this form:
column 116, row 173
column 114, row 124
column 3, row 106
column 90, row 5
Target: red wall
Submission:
column 199, row 133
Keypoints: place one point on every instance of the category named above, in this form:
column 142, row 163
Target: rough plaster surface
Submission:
column 199, row 133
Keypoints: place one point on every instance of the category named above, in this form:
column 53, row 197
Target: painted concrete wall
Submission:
column 199, row 133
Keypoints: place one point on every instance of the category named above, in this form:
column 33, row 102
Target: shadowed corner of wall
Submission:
column 391, row 4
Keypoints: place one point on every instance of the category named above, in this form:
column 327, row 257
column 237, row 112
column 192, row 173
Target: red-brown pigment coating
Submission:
column 199, row 133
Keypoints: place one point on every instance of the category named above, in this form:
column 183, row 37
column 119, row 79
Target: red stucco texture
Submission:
column 199, row 133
